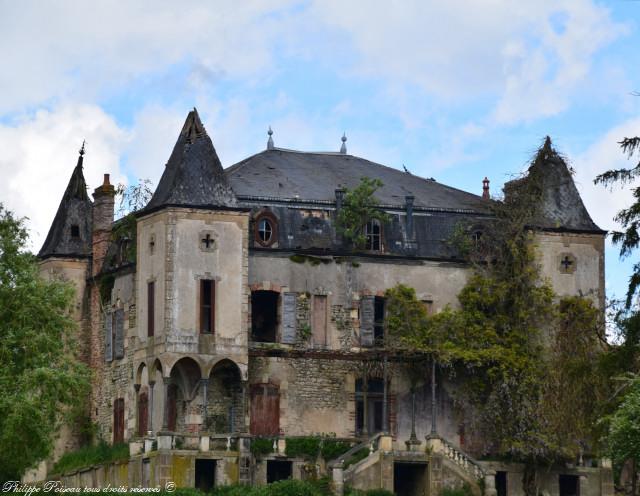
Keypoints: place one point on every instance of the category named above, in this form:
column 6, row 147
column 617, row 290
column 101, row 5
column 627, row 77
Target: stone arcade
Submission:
column 233, row 311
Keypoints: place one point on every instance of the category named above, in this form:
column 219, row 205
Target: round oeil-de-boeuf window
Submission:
column 266, row 230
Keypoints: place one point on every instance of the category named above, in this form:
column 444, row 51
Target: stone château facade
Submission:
column 230, row 309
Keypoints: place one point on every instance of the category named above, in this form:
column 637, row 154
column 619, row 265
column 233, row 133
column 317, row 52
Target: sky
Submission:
column 454, row 90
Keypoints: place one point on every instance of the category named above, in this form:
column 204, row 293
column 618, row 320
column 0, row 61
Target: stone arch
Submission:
column 225, row 398
column 139, row 371
column 183, row 396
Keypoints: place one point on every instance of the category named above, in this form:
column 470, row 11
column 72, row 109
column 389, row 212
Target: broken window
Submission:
column 264, row 316
column 75, row 231
column 378, row 320
column 118, row 421
column 373, row 233
column 369, row 406
column 265, row 410
column 151, row 296
column 207, row 306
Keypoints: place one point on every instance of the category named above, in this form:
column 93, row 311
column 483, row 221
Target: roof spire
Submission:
column 270, row 140
column 343, row 148
column 81, row 152
column 485, row 188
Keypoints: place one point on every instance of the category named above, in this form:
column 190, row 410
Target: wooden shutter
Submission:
column 319, row 325
column 265, row 410
column 367, row 308
column 108, row 336
column 151, row 308
column 289, row 318
column 119, row 334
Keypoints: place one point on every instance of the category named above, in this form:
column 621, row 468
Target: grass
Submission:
column 91, row 455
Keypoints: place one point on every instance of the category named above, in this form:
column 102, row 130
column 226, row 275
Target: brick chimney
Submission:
column 103, row 206
column 485, row 188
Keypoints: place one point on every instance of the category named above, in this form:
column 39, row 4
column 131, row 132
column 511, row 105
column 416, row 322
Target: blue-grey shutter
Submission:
column 108, row 337
column 366, row 320
column 289, row 318
column 119, row 343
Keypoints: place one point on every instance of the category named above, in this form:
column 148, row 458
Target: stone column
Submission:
column 151, row 384
column 204, row 384
column 385, row 398
column 165, row 416
column 137, row 389
column 433, row 396
column 365, row 406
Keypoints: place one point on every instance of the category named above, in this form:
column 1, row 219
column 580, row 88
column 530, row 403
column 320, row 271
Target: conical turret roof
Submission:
column 193, row 175
column 70, row 232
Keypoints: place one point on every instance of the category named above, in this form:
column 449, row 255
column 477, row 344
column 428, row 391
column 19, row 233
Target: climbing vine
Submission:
column 524, row 361
column 359, row 207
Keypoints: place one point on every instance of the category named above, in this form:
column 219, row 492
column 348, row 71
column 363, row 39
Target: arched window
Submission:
column 266, row 229
column 373, row 233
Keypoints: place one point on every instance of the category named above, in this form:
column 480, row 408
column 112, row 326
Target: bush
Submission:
column 261, row 446
column 465, row 490
column 370, row 492
column 290, row 487
column 332, row 448
column 91, row 455
column 305, row 447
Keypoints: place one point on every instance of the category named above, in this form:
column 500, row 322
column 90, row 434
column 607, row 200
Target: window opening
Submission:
column 207, row 306
column 375, row 398
column 264, row 316
column 75, row 231
column 151, row 296
column 373, row 234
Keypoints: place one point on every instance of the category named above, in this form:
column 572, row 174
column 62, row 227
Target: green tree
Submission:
column 629, row 218
column 359, row 207
column 39, row 374
column 624, row 431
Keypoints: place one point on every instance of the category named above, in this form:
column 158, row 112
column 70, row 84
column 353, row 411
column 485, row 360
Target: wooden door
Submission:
column 265, row 410
column 143, row 414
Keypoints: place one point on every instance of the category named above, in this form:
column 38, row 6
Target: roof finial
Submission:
column 81, row 152
column 270, row 140
column 82, row 148
column 485, row 188
column 343, row 148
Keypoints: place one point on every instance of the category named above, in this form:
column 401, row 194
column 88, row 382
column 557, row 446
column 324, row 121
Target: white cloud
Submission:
column 53, row 50
column 40, row 153
column 530, row 55
column 603, row 155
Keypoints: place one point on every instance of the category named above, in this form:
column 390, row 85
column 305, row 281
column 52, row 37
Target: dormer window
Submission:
column 373, row 233
column 75, row 231
column 266, row 229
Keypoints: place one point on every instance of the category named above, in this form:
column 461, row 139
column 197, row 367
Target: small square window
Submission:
column 75, row 231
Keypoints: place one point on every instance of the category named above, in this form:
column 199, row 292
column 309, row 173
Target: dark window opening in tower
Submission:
column 75, row 231
column 264, row 316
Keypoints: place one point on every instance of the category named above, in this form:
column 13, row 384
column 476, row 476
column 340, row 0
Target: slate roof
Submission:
column 75, row 209
column 193, row 175
column 562, row 207
column 286, row 174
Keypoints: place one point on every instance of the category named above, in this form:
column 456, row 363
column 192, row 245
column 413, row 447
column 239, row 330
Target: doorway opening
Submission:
column 501, row 483
column 410, row 479
column 205, row 474
column 569, row 485
column 278, row 470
